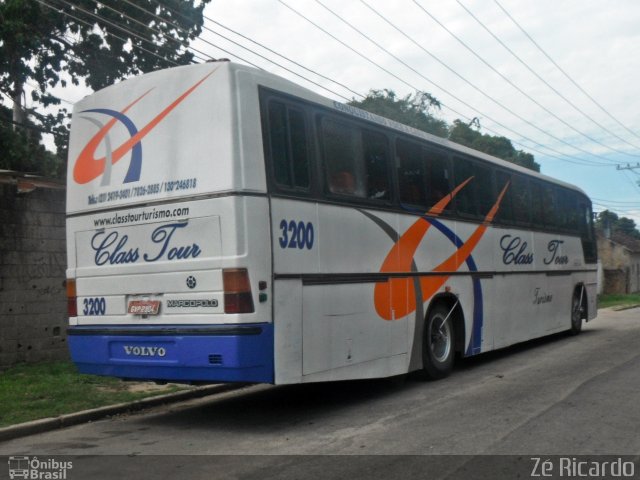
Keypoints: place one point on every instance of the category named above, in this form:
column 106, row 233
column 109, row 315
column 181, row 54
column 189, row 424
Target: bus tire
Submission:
column 577, row 312
column 438, row 344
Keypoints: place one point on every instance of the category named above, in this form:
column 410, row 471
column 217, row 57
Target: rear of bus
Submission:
column 169, row 263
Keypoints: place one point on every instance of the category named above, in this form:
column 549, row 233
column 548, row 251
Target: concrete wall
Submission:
column 612, row 254
column 616, row 282
column 600, row 275
column 621, row 267
column 33, row 310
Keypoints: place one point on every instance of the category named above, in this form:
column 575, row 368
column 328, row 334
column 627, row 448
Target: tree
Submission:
column 99, row 42
column 607, row 220
column 627, row 226
column 500, row 147
column 21, row 149
column 413, row 110
column 417, row 112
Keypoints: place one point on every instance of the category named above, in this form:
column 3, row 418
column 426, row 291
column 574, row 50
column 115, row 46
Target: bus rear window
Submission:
column 288, row 146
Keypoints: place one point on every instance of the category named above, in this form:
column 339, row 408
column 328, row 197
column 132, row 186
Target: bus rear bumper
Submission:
column 185, row 353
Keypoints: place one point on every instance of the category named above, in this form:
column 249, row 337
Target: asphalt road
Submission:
column 561, row 395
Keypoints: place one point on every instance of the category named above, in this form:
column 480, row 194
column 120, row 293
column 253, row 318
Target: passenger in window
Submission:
column 343, row 183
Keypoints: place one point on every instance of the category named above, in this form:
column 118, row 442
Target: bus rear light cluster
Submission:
column 237, row 291
column 262, row 296
column 72, row 298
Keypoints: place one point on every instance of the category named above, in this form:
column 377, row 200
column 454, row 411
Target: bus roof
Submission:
column 278, row 83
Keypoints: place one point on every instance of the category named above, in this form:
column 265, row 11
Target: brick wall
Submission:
column 33, row 316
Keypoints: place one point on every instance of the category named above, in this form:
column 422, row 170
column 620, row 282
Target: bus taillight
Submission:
column 72, row 304
column 237, row 291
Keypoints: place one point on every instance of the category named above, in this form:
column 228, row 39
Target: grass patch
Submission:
column 30, row 392
column 606, row 301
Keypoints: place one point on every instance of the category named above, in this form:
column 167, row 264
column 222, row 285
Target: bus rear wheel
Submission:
column 438, row 345
column 578, row 309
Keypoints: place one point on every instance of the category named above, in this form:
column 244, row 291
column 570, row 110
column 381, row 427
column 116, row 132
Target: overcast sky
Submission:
column 594, row 42
column 573, row 138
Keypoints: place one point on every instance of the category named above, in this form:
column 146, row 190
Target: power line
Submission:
column 277, row 64
column 350, row 48
column 37, row 87
column 471, row 84
column 30, row 127
column 635, row 184
column 119, row 27
column 583, row 162
column 563, row 72
column 143, row 39
column 64, row 12
column 615, row 209
column 621, row 203
column 175, row 26
column 284, row 57
column 578, row 109
column 155, row 30
column 234, row 42
column 628, row 167
column 8, row 96
column 178, row 27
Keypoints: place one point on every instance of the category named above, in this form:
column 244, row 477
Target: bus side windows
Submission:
column 586, row 232
column 411, row 173
column 550, row 207
column 568, row 210
column 438, row 177
column 505, row 212
column 341, row 147
column 423, row 175
column 485, row 196
column 466, row 200
column 537, row 207
column 376, row 159
column 288, row 146
column 521, row 197
column 356, row 160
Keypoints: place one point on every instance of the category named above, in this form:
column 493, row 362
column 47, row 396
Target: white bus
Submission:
column 227, row 225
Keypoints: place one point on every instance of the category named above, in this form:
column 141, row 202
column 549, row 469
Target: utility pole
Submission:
column 628, row 166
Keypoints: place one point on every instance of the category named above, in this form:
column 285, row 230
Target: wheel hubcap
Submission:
column 576, row 312
column 440, row 339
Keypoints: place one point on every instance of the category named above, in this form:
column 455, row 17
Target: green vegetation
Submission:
column 31, row 392
column 418, row 110
column 413, row 110
column 43, row 46
column 607, row 220
column 606, row 301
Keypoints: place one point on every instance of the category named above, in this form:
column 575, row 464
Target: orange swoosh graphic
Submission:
column 88, row 168
column 396, row 298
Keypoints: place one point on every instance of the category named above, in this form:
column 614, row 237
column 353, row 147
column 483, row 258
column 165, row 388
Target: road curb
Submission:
column 53, row 423
column 625, row 307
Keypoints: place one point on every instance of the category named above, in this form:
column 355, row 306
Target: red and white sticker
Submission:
column 144, row 307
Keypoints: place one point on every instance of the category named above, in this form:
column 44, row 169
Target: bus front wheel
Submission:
column 578, row 310
column 438, row 343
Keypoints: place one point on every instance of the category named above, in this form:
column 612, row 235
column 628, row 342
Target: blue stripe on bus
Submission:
column 206, row 357
column 475, row 344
